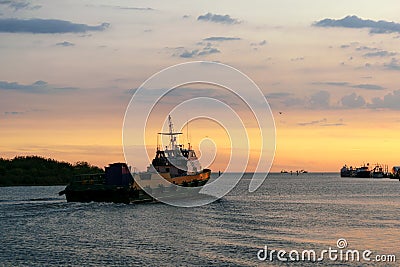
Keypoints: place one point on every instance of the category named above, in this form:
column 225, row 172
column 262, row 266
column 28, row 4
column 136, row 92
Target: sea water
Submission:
column 288, row 213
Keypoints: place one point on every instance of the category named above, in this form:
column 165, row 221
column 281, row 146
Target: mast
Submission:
column 171, row 131
column 172, row 141
column 187, row 134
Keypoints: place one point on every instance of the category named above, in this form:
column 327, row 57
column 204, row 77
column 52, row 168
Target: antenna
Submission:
column 187, row 134
column 158, row 147
column 172, row 141
column 171, row 130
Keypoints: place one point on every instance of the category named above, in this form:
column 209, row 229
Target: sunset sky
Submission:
column 329, row 70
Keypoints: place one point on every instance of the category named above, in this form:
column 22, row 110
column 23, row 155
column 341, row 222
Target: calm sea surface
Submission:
column 309, row 211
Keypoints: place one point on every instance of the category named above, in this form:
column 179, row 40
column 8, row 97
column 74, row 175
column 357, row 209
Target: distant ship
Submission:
column 364, row 172
column 361, row 172
column 177, row 165
column 395, row 174
column 379, row 172
column 297, row 172
column 346, row 171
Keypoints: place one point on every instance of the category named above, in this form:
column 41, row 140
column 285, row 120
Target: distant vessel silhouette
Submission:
column 379, row 171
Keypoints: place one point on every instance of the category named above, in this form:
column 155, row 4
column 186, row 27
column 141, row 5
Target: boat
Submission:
column 115, row 185
column 395, row 174
column 378, row 172
column 171, row 168
column 176, row 164
column 346, row 171
column 363, row 172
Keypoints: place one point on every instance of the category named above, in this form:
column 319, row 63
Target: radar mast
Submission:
column 172, row 134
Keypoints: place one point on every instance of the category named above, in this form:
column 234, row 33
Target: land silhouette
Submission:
column 36, row 170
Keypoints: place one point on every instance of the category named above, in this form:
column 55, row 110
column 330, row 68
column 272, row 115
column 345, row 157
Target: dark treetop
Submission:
column 35, row 170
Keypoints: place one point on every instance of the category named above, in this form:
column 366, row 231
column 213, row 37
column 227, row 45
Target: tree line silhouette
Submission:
column 36, row 170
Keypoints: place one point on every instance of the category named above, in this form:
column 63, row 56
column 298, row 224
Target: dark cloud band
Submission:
column 224, row 19
column 46, row 26
column 18, row 5
column 221, row 39
column 380, row 26
column 38, row 87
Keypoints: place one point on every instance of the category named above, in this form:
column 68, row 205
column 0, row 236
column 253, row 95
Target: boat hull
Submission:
column 83, row 192
column 378, row 175
column 363, row 174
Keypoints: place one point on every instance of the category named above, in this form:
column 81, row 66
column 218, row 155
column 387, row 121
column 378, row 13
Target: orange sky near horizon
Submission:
column 311, row 147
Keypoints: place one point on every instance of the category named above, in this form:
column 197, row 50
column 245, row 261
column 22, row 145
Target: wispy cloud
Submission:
column 224, row 19
column 333, row 124
column 346, row 84
column 368, row 86
column 135, row 8
column 221, row 39
column 312, row 122
column 38, row 87
column 333, row 83
column 208, row 49
column 65, row 43
column 366, row 48
column 380, row 26
column 320, row 99
column 381, row 53
column 372, row 51
column 352, row 101
column 13, row 113
column 129, row 8
column 262, row 43
column 277, row 95
column 394, row 64
column 323, row 122
column 389, row 101
column 294, row 102
column 17, row 5
column 196, row 53
column 297, row 59
column 46, row 26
